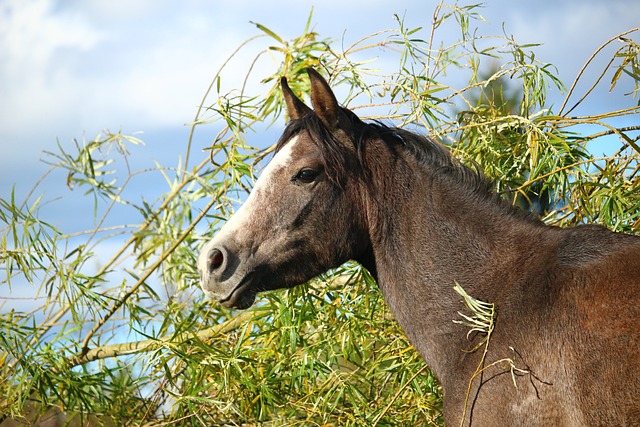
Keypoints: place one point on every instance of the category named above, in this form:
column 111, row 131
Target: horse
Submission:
column 564, row 348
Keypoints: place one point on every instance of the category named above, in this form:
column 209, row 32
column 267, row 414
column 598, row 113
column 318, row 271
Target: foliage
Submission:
column 134, row 341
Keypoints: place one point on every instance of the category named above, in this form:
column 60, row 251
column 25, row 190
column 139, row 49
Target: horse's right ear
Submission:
column 295, row 108
column 323, row 100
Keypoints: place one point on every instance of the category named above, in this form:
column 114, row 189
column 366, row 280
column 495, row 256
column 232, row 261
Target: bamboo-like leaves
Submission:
column 481, row 317
column 129, row 334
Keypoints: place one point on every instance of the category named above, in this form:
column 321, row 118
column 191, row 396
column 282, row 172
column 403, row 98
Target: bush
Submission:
column 134, row 341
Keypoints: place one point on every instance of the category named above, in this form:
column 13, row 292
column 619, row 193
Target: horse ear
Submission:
column 323, row 100
column 295, row 108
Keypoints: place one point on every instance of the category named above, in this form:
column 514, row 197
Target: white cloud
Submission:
column 33, row 78
column 67, row 70
column 31, row 31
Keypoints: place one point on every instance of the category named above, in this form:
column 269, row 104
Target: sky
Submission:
column 69, row 69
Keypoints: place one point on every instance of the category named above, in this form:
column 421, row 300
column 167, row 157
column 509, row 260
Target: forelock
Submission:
column 338, row 150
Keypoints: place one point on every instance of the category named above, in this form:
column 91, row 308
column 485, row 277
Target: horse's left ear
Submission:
column 323, row 100
column 295, row 107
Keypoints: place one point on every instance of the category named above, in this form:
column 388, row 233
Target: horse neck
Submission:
column 429, row 232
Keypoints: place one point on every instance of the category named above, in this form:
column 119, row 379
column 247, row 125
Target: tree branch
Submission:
column 116, row 350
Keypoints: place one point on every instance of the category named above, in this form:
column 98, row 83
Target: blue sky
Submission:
column 69, row 69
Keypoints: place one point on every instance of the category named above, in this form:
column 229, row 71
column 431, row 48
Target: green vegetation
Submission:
column 129, row 339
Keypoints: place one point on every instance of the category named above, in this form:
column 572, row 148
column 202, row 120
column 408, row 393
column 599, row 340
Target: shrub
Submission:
column 134, row 341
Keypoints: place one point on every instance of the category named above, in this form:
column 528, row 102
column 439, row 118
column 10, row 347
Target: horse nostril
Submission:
column 215, row 260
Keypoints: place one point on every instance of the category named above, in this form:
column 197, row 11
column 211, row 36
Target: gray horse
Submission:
column 567, row 301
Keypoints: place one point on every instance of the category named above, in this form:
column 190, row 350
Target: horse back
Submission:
column 599, row 274
column 599, row 304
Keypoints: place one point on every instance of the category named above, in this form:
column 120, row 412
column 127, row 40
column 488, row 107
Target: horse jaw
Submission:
column 231, row 283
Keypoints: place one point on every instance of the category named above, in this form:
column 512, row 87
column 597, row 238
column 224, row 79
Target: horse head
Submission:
column 302, row 216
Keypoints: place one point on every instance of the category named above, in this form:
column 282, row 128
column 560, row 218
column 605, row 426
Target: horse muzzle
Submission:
column 223, row 279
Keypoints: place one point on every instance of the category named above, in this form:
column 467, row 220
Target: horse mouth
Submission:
column 242, row 296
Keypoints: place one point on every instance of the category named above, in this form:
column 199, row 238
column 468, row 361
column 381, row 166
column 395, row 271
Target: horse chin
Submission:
column 241, row 302
column 242, row 297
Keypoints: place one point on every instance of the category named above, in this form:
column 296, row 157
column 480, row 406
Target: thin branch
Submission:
column 584, row 67
column 397, row 395
column 208, row 91
column 116, row 350
column 434, row 21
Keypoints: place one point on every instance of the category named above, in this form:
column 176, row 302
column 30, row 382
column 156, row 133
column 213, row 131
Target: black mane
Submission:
column 340, row 163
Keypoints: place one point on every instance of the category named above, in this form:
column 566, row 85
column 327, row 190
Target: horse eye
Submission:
column 305, row 176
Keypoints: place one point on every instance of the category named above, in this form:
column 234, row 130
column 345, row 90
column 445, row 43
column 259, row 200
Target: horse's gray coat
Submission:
column 567, row 300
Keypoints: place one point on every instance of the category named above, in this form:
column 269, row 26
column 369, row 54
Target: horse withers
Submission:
column 567, row 301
